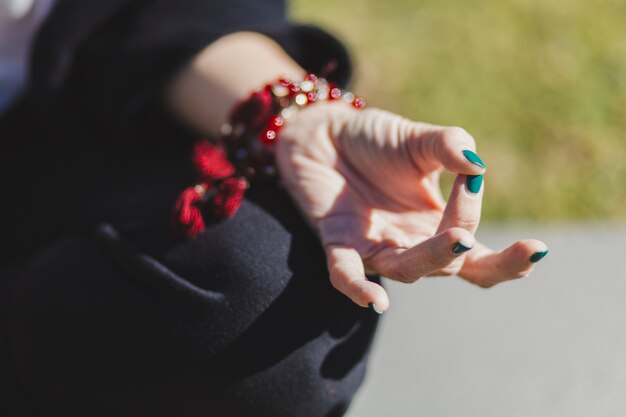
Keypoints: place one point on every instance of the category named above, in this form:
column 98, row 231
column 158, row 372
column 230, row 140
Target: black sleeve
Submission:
column 111, row 59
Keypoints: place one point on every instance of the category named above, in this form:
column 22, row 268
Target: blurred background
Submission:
column 541, row 85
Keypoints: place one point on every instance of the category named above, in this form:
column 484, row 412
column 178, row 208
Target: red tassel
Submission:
column 187, row 218
column 228, row 197
column 255, row 111
column 210, row 161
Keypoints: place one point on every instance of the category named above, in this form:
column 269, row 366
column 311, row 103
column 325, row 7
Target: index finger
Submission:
column 450, row 147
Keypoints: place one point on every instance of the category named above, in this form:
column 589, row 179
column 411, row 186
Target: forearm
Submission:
column 224, row 73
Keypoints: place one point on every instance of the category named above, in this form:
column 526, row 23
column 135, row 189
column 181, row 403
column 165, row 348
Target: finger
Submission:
column 464, row 205
column 425, row 258
column 486, row 268
column 347, row 275
column 451, row 147
column 462, row 210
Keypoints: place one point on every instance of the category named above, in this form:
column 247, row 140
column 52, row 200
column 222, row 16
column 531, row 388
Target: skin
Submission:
column 367, row 181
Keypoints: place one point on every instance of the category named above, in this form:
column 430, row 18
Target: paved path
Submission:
column 550, row 345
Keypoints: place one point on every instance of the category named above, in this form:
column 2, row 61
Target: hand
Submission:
column 368, row 182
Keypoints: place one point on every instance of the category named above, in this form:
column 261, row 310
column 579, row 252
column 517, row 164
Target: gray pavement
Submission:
column 550, row 345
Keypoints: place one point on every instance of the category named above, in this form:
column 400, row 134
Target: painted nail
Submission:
column 473, row 158
column 537, row 256
column 459, row 248
column 474, row 182
column 374, row 309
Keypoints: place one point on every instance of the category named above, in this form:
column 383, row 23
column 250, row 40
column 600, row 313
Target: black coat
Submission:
column 102, row 311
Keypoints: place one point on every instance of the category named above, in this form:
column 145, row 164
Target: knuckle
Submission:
column 468, row 224
column 454, row 234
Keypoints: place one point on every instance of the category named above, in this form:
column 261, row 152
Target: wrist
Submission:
column 245, row 147
column 223, row 74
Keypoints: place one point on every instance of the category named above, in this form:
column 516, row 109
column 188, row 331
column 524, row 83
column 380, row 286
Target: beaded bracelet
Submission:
column 243, row 150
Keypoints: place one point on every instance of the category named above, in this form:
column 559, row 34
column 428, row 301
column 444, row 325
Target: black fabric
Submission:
column 102, row 311
column 239, row 322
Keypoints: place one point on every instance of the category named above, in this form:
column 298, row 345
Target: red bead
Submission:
column 268, row 136
column 312, row 96
column 311, row 77
column 276, row 122
column 295, row 88
column 335, row 93
column 284, row 81
column 359, row 102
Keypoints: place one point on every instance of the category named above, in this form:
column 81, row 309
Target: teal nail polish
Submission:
column 473, row 158
column 459, row 248
column 537, row 256
column 474, row 182
column 374, row 309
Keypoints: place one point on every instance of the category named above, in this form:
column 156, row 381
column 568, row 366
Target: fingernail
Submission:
column 474, row 182
column 374, row 309
column 473, row 158
column 460, row 248
column 537, row 256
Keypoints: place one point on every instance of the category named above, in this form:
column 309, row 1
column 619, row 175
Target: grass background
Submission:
column 540, row 84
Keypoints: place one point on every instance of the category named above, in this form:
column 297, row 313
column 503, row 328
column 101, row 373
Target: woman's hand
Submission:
column 368, row 182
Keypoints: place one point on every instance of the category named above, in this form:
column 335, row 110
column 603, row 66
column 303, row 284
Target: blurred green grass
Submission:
column 540, row 84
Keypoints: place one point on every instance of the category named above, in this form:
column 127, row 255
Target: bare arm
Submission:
column 224, row 73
